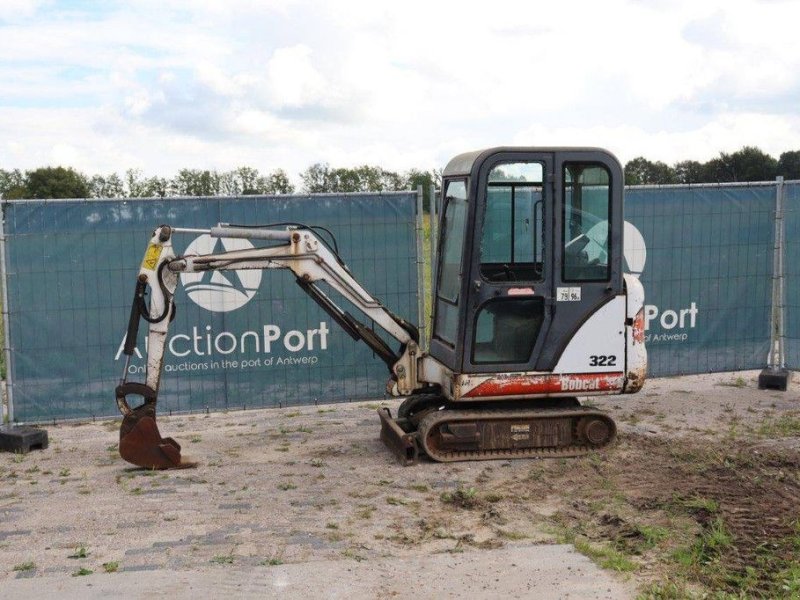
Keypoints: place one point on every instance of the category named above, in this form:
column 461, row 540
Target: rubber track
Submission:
column 436, row 418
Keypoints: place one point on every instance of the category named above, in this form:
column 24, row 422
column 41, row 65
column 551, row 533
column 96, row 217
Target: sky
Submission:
column 161, row 85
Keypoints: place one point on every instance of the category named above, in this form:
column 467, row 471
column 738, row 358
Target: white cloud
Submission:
column 13, row 10
column 293, row 80
column 164, row 84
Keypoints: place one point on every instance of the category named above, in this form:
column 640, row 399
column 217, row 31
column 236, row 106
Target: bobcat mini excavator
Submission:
column 531, row 308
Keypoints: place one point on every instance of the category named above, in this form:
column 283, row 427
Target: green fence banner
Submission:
column 705, row 256
column 703, row 253
column 71, row 270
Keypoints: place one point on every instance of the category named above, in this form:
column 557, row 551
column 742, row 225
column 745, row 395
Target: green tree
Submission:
column 12, row 184
column 276, row 182
column 106, row 186
column 320, row 178
column 689, row 171
column 139, row 186
column 55, row 182
column 789, row 164
column 717, row 170
column 749, row 164
column 317, row 179
column 245, row 180
column 414, row 178
column 641, row 171
column 195, row 182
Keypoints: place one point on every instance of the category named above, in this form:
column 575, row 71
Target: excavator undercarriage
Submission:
column 429, row 425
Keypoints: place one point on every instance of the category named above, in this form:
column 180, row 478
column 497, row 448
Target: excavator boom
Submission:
column 297, row 249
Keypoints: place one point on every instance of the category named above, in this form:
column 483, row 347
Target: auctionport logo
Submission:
column 675, row 323
column 220, row 291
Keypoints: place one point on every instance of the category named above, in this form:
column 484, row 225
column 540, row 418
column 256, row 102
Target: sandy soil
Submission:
column 314, row 483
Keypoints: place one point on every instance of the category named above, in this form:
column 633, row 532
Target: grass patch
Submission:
column 365, row 511
column 111, row 566
column 25, row 567
column 665, row 590
column 80, row 552
column 511, row 535
column 462, row 497
column 699, row 503
column 222, row 559
column 351, row 553
column 652, row 535
column 82, row 572
column 605, row 556
column 708, row 546
column 287, row 486
column 783, row 426
column 739, row 382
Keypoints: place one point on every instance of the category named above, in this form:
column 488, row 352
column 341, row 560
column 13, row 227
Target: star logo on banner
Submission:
column 220, row 291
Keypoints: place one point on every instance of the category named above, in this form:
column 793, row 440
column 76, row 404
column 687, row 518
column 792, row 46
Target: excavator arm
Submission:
column 298, row 249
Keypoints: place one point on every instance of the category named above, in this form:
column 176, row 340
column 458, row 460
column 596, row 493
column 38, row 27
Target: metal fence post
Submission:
column 775, row 376
column 9, row 380
column 434, row 216
column 420, row 269
column 433, row 220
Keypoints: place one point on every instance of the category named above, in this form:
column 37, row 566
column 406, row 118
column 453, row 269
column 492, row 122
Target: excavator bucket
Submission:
column 140, row 442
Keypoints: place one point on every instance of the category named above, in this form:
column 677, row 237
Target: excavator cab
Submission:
column 531, row 246
column 530, row 310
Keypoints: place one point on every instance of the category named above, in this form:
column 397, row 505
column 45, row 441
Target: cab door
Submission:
column 587, row 254
column 509, row 308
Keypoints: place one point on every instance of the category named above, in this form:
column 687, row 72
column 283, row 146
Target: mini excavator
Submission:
column 531, row 308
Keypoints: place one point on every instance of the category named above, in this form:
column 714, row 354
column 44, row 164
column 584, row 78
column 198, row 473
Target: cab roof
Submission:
column 463, row 164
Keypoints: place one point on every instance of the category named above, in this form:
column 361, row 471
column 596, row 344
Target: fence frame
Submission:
column 8, row 387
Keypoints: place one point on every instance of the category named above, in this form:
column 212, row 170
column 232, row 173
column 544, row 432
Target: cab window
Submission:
column 512, row 240
column 586, row 218
column 454, row 222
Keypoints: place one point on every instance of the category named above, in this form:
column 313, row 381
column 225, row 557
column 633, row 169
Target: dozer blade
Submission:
column 141, row 444
column 403, row 445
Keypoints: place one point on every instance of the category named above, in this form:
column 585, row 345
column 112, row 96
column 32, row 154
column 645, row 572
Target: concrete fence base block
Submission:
column 22, row 438
column 774, row 379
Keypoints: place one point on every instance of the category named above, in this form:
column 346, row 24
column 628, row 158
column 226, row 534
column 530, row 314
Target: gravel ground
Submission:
column 302, row 485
